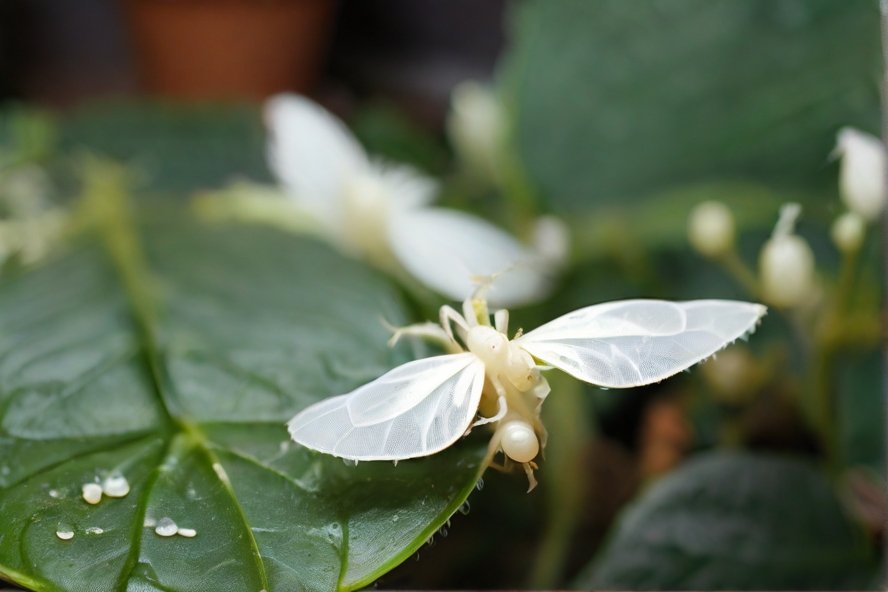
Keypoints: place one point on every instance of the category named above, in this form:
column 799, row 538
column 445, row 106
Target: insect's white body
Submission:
column 424, row 406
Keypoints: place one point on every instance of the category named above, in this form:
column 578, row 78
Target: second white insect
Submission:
column 425, row 406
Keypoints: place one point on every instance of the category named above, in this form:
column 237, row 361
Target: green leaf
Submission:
column 175, row 147
column 735, row 521
column 175, row 355
column 615, row 100
column 860, row 413
column 661, row 221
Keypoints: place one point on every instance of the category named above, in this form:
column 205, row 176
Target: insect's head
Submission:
column 487, row 343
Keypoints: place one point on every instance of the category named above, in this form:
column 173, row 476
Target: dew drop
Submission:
column 149, row 522
column 431, row 541
column 443, row 532
column 115, row 485
column 94, row 530
column 65, row 532
column 480, row 484
column 464, row 508
column 166, row 527
column 188, row 533
column 55, row 494
column 92, row 493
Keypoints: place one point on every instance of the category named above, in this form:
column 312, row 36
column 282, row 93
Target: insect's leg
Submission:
column 528, row 470
column 469, row 312
column 540, row 391
column 501, row 321
column 502, row 406
column 542, row 435
column 447, row 316
column 429, row 331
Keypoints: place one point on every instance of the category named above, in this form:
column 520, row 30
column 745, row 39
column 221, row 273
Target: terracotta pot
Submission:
column 199, row 49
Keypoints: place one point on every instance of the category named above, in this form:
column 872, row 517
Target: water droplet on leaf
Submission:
column 92, row 493
column 166, row 527
column 115, row 485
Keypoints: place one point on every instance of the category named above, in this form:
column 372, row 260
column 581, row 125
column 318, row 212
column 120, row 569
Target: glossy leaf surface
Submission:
column 735, row 521
column 175, row 355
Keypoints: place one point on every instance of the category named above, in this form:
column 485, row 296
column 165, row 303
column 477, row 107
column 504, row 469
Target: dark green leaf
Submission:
column 386, row 132
column 861, row 410
column 735, row 521
column 177, row 362
column 176, row 148
column 617, row 100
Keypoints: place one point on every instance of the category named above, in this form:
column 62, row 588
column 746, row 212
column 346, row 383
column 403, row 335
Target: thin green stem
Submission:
column 565, row 478
column 741, row 272
column 828, row 338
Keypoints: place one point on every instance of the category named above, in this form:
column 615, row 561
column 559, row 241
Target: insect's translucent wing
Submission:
column 449, row 251
column 635, row 342
column 416, row 409
column 311, row 152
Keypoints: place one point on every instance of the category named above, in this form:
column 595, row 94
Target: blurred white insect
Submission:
column 381, row 211
column 425, row 406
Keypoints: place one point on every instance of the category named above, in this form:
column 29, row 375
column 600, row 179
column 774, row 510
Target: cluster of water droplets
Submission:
column 114, row 485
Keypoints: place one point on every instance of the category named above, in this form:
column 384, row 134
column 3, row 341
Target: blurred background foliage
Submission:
column 622, row 117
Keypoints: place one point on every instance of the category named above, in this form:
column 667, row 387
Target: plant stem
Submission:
column 566, row 480
column 741, row 272
column 828, row 337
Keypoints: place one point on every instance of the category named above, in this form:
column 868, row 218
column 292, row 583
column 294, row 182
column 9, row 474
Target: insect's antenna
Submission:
column 483, row 284
column 479, row 297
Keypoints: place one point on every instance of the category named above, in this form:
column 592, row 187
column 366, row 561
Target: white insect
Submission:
column 382, row 211
column 424, row 406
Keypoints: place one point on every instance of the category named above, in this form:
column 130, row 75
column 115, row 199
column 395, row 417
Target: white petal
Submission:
column 405, row 186
column 417, row 409
column 451, row 251
column 636, row 342
column 312, row 153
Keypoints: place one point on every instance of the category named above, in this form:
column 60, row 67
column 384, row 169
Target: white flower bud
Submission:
column 476, row 127
column 711, row 228
column 787, row 268
column 847, row 231
column 25, row 191
column 862, row 172
column 786, row 263
column 552, row 239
